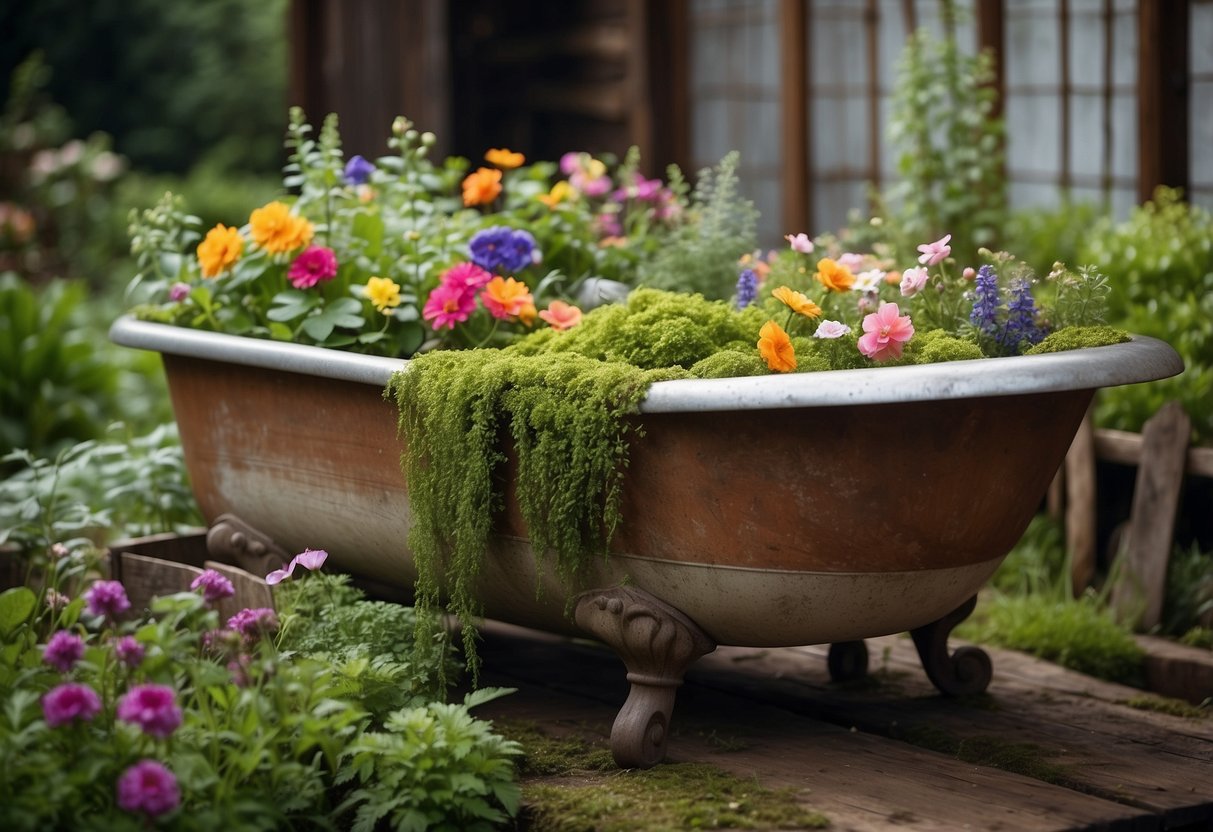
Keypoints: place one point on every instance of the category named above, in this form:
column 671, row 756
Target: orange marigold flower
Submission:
column 504, row 158
column 221, row 248
column 481, row 187
column 775, row 347
column 506, row 297
column 561, row 315
column 527, row 314
column 274, row 228
column 834, row 276
column 797, row 302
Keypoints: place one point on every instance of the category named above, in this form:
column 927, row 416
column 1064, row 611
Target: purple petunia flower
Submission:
column 129, row 651
column 358, row 170
column 215, row 587
column 63, row 650
column 153, row 708
column 107, row 598
column 747, row 288
column 148, row 787
column 70, row 702
column 253, row 622
column 503, row 250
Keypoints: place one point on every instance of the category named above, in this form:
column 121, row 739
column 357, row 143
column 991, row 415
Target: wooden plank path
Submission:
column 889, row 751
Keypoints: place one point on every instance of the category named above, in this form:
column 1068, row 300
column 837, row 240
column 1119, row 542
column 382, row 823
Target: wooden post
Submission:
column 1080, row 506
column 794, row 148
column 1162, row 95
column 1140, row 577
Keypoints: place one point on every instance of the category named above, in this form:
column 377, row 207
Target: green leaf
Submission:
column 16, row 606
column 291, row 304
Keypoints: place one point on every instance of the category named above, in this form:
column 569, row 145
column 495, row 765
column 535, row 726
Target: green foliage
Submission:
column 1043, row 237
column 1189, row 591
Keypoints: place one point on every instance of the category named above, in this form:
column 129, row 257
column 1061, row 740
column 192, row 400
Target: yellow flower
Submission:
column 562, row 191
column 834, row 276
column 221, row 248
column 481, row 187
column 384, row 293
column 504, row 158
column 775, row 347
column 797, row 302
column 274, row 228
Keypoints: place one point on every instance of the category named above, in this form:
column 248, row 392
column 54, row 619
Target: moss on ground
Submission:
column 1166, row 705
column 1022, row 758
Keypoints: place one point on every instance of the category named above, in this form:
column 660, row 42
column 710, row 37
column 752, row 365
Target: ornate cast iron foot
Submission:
column 657, row 643
column 966, row 671
column 847, row 661
column 231, row 540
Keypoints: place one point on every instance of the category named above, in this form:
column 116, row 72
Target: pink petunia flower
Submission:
column 153, row 708
column 129, row 651
column 148, row 787
column 800, row 243
column 310, row 559
column 215, row 586
column 449, row 305
column 314, row 265
column 70, row 702
column 831, row 329
column 886, row 330
column 63, row 650
column 913, row 281
column 253, row 622
column 466, row 276
column 107, row 598
column 935, row 252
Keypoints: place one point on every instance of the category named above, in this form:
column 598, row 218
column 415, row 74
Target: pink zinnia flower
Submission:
column 885, row 332
column 148, row 787
column 314, row 265
column 467, row 276
column 107, row 598
column 129, row 651
column 449, row 305
column 63, row 650
column 935, row 252
column 310, row 559
column 70, row 702
column 913, row 281
column 253, row 622
column 831, row 329
column 153, row 708
column 215, row 586
column 800, row 243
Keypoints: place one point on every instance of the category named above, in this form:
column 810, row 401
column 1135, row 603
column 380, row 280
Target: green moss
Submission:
column 1016, row 757
column 937, row 345
column 1166, row 705
column 1198, row 637
column 730, row 364
column 1079, row 337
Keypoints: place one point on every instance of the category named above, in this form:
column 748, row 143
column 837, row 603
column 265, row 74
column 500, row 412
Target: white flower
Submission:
column 831, row 329
column 912, row 281
column 868, row 281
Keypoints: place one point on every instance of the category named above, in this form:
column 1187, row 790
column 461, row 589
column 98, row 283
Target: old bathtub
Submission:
column 772, row 511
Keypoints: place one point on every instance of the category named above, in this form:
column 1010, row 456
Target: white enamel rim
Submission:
column 1141, row 359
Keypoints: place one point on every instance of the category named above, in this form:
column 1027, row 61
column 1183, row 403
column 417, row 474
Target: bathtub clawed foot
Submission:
column 966, row 671
column 847, row 661
column 657, row 643
column 231, row 540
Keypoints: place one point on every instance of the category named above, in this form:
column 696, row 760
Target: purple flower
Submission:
column 986, row 299
column 215, row 587
column 63, row 650
column 70, row 702
column 178, row 292
column 148, row 787
column 503, row 250
column 252, row 622
column 310, row 559
column 314, row 265
column 1021, row 318
column 107, row 598
column 153, row 708
column 129, row 651
column 747, row 288
column 358, row 170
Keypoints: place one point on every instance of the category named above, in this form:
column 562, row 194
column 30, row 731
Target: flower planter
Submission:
column 769, row 511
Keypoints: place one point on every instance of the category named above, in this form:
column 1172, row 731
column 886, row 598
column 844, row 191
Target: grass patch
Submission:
column 1167, row 705
column 1016, row 757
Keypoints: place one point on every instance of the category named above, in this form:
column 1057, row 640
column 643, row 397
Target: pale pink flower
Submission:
column 831, row 329
column 310, row 559
column 800, row 243
column 561, row 315
column 854, row 262
column 913, row 281
column 935, row 252
column 885, row 331
column 969, row 273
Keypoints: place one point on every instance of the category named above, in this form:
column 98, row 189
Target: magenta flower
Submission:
column 831, row 329
column 129, row 651
column 886, row 330
column 314, row 265
column 913, row 281
column 467, row 276
column 153, row 708
column 148, row 787
column 178, row 292
column 570, row 162
column 63, row 650
column 310, row 559
column 253, row 622
column 215, row 587
column 449, row 305
column 107, row 598
column 935, row 252
column 70, row 702
column 800, row 243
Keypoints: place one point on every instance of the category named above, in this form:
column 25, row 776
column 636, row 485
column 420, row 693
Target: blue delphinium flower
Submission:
column 502, row 249
column 747, row 288
column 986, row 299
column 358, row 170
column 1021, row 318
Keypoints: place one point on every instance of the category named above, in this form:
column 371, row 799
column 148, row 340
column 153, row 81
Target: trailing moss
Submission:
column 1079, row 337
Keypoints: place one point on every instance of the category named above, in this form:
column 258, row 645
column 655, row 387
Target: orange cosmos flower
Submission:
column 561, row 315
column 481, row 187
column 834, row 276
column 775, row 347
column 221, row 248
column 506, row 297
column 797, row 302
column 504, row 158
column 276, row 230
